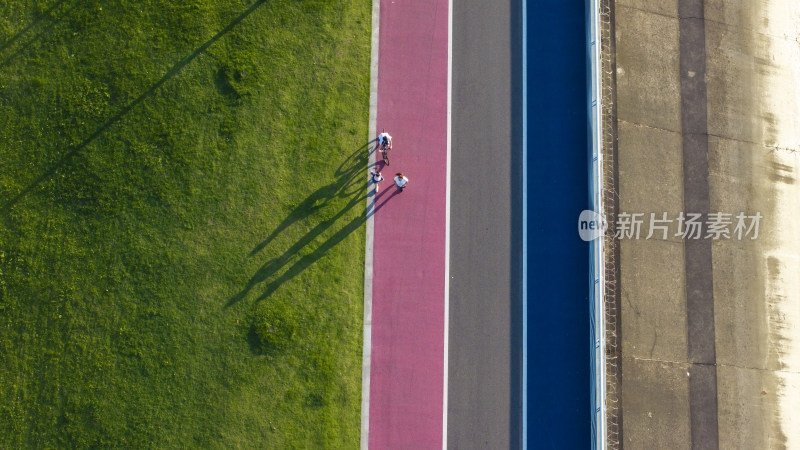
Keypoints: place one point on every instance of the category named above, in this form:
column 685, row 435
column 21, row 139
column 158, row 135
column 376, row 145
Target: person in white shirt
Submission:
column 401, row 181
column 376, row 178
column 385, row 140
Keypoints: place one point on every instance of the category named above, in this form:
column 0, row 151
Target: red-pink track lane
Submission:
column 407, row 355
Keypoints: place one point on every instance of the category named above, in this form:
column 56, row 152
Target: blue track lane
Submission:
column 558, row 403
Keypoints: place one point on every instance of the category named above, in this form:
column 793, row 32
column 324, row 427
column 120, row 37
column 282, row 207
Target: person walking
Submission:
column 376, row 178
column 401, row 181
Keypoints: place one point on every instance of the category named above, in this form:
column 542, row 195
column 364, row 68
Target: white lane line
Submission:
column 447, row 221
column 524, row 224
column 373, row 129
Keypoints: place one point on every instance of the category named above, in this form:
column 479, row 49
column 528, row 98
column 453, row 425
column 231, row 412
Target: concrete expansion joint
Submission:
column 705, row 364
column 647, row 11
column 759, row 369
column 746, row 29
column 643, row 125
column 679, row 241
column 666, row 361
column 747, row 141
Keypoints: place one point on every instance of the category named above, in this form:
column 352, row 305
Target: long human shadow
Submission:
column 309, row 259
column 341, row 187
column 274, row 265
column 345, row 185
column 33, row 23
column 70, row 155
column 381, row 199
column 42, row 33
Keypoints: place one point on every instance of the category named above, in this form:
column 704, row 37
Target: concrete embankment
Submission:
column 708, row 103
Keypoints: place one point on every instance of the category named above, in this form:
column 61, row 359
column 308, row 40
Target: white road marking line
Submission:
column 447, row 222
column 524, row 224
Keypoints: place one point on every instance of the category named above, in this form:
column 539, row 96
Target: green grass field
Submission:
column 182, row 193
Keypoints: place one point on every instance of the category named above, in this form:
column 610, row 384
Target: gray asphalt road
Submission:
column 484, row 404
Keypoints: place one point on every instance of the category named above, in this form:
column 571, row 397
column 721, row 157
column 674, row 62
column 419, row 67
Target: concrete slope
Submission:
column 708, row 104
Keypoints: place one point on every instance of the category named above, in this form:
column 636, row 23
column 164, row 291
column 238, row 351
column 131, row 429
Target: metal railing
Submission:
column 604, row 369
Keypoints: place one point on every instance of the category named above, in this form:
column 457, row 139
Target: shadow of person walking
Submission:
column 380, row 200
column 342, row 186
column 348, row 184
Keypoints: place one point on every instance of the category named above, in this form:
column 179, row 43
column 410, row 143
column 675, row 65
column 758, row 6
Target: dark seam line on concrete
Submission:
column 697, row 253
column 648, row 11
column 650, row 127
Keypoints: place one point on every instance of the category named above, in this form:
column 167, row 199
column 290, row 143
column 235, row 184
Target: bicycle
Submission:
column 385, row 153
column 385, row 146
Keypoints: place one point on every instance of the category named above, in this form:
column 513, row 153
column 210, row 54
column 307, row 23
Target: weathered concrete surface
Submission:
column 652, row 177
column 648, row 85
column 656, row 400
column 654, row 302
column 747, row 131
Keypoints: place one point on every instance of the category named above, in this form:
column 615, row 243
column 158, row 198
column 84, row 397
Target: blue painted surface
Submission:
column 558, row 404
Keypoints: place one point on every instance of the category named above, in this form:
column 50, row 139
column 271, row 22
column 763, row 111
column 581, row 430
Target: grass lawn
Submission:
column 182, row 193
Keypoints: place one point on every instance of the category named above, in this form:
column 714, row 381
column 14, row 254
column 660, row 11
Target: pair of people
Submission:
column 400, row 180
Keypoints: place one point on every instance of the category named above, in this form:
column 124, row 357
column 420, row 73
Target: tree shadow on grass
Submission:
column 254, row 341
column 75, row 150
column 46, row 29
column 348, row 184
column 38, row 19
column 33, row 23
